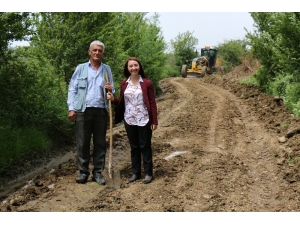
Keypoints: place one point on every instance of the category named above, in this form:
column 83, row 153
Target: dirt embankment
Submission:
column 220, row 146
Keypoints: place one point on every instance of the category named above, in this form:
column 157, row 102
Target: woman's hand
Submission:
column 153, row 127
column 110, row 96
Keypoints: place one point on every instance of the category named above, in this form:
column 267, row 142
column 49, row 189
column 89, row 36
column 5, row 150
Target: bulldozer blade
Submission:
column 197, row 75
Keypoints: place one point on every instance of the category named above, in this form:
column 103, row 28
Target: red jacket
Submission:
column 149, row 98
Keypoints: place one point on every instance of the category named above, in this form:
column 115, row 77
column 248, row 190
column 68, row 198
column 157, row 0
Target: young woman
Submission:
column 137, row 107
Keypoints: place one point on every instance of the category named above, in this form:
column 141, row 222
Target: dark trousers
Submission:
column 140, row 143
column 92, row 122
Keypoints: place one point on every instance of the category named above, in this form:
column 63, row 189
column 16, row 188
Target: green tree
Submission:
column 231, row 52
column 35, row 79
column 124, row 34
column 64, row 38
column 183, row 47
column 13, row 27
column 275, row 42
column 144, row 40
column 33, row 111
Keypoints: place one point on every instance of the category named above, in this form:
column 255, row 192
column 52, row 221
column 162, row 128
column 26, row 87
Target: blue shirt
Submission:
column 94, row 96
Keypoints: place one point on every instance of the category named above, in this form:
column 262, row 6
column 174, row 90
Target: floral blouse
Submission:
column 135, row 108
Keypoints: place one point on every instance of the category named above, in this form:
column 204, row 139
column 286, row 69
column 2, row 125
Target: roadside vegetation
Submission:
column 33, row 113
column 275, row 43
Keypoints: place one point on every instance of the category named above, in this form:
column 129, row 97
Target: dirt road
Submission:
column 220, row 146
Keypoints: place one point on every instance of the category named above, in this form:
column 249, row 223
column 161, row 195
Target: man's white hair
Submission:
column 97, row 43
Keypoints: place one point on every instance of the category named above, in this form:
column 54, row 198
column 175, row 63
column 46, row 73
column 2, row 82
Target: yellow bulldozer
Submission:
column 207, row 63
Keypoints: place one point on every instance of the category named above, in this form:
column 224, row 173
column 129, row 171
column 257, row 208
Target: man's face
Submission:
column 96, row 53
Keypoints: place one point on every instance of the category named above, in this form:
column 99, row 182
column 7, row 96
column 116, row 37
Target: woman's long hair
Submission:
column 126, row 71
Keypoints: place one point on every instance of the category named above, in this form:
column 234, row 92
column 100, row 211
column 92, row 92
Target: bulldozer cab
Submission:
column 210, row 54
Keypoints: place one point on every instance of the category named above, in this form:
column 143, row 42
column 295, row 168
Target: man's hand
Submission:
column 72, row 115
column 108, row 87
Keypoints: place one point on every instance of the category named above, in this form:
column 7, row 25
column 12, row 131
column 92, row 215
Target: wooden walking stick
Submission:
column 111, row 136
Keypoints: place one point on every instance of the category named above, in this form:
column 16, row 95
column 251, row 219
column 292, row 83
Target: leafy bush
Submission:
column 41, row 95
column 183, row 48
column 275, row 44
column 279, row 84
column 249, row 80
column 231, row 52
column 292, row 97
column 15, row 143
column 170, row 72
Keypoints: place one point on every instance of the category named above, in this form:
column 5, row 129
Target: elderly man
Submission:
column 88, row 108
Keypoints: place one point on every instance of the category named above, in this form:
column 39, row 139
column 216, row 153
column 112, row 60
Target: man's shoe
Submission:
column 148, row 179
column 99, row 179
column 82, row 178
column 134, row 178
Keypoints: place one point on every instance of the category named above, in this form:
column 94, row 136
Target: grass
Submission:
column 293, row 160
column 67, row 165
column 283, row 124
column 249, row 80
column 15, row 143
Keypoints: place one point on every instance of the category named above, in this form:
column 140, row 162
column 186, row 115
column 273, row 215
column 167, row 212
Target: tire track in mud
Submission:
column 213, row 161
column 215, row 138
column 171, row 113
column 183, row 97
column 263, row 169
column 178, row 109
column 185, row 185
column 256, row 151
column 252, row 180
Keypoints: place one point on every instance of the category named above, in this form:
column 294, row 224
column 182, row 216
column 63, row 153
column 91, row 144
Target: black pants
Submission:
column 140, row 143
column 93, row 121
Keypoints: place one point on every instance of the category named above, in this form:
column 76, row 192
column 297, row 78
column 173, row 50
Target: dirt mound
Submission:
column 220, row 146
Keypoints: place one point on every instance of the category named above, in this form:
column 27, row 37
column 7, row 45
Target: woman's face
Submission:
column 133, row 67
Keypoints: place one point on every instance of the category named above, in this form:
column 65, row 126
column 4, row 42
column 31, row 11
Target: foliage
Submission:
column 64, row 38
column 143, row 39
column 33, row 113
column 183, row 47
column 275, row 42
column 292, row 97
column 15, row 143
column 13, row 27
column 249, row 80
column 278, row 85
column 231, row 52
column 19, row 135
column 170, row 67
column 33, row 91
column 124, row 35
column 293, row 160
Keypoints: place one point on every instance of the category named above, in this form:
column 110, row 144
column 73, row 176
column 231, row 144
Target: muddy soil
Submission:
column 220, row 146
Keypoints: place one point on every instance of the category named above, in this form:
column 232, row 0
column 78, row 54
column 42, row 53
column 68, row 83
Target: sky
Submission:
column 210, row 28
